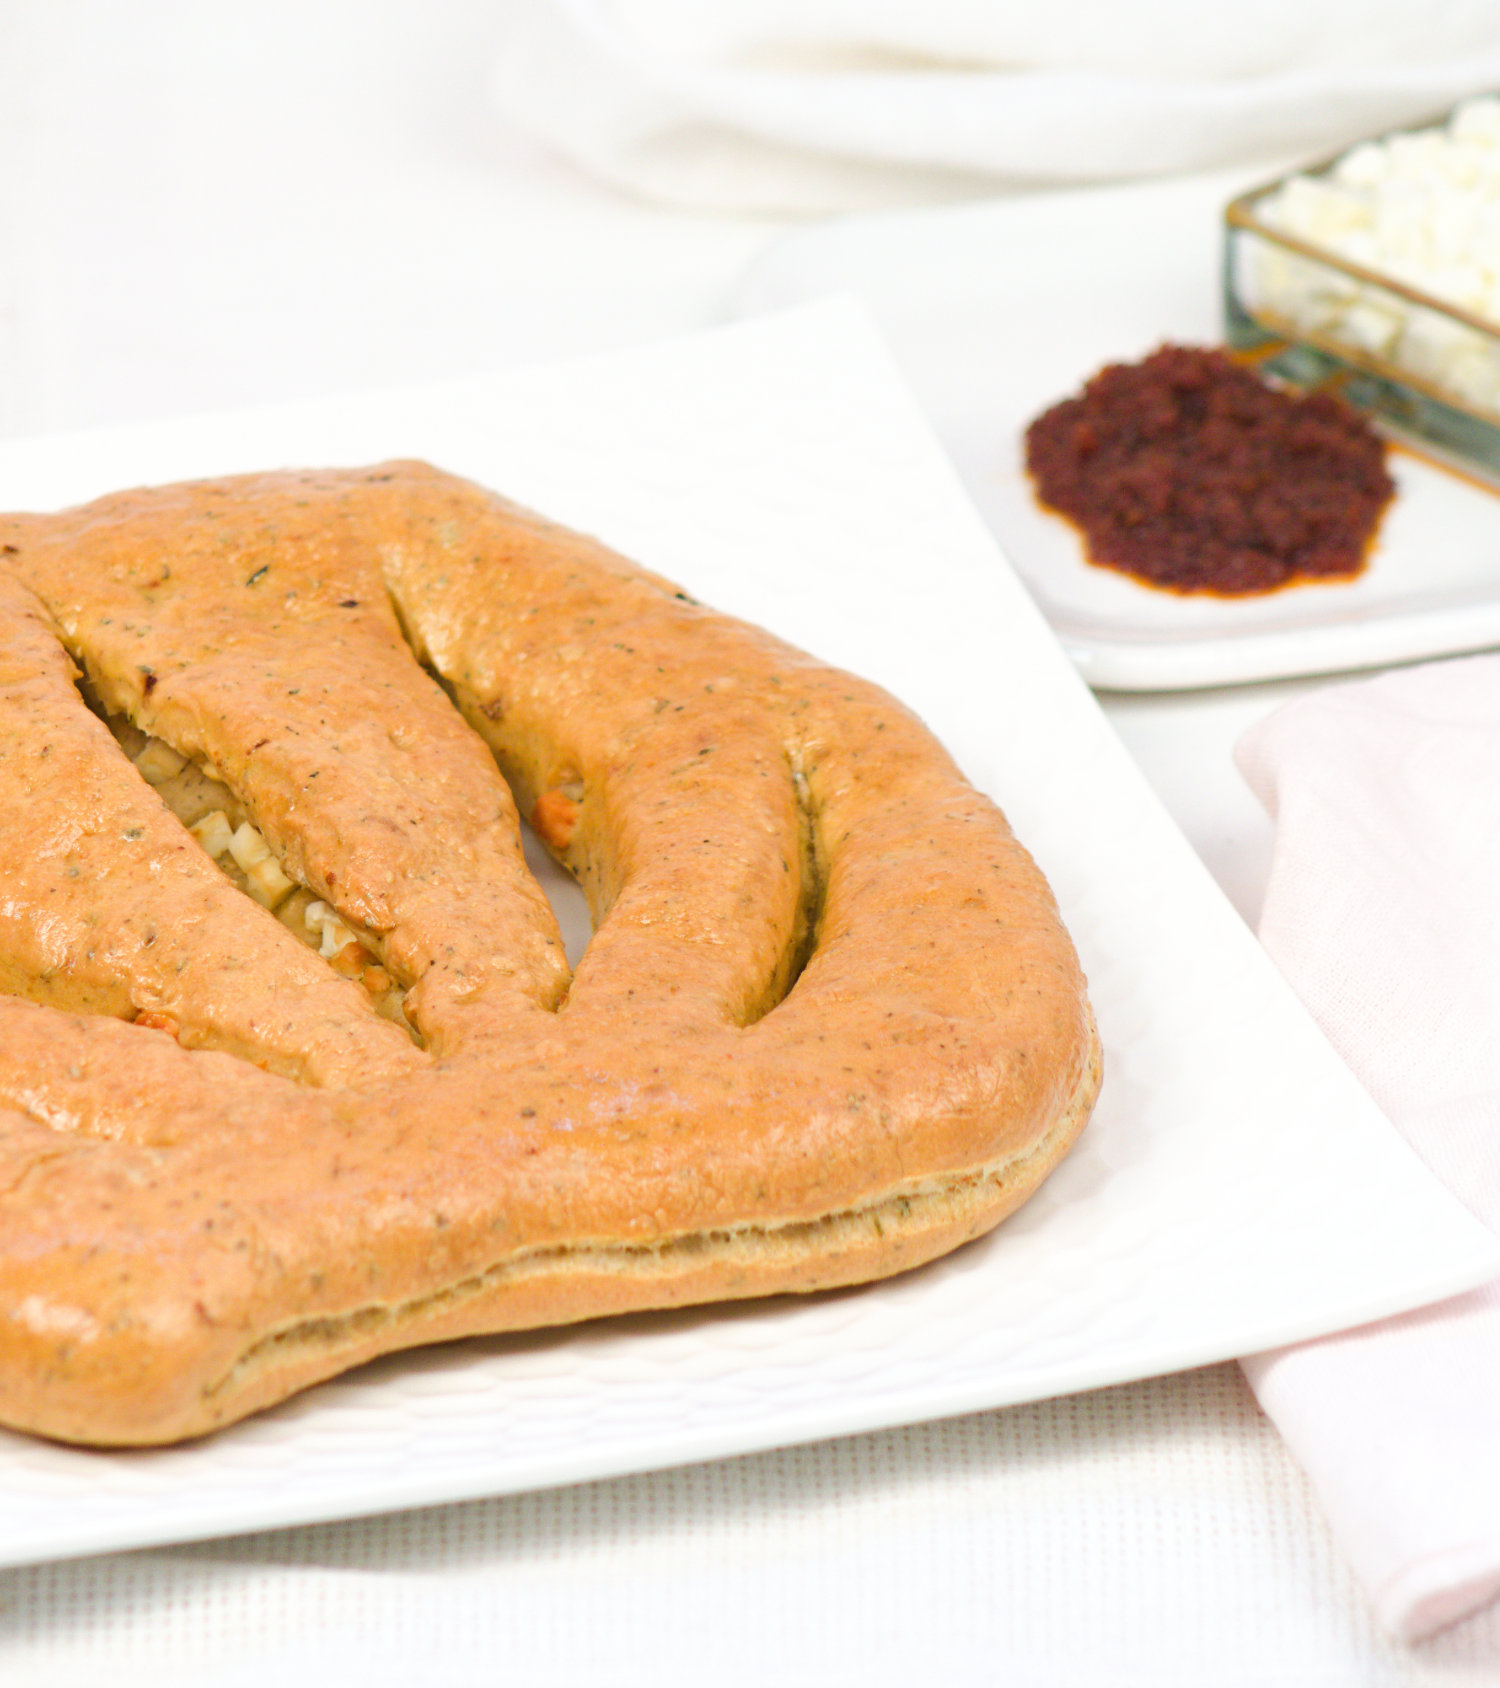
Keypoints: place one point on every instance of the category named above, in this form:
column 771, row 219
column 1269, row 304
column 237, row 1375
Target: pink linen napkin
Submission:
column 1383, row 911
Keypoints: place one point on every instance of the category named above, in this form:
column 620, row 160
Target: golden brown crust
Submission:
column 828, row 1027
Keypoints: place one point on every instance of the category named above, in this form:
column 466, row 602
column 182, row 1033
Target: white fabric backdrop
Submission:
column 818, row 105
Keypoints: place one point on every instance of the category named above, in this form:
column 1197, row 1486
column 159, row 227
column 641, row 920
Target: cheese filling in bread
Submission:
column 293, row 1069
column 204, row 805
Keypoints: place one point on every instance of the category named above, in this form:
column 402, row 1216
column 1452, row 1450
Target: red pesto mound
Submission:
column 1188, row 472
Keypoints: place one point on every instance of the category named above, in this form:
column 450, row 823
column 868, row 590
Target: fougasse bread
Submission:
column 292, row 1068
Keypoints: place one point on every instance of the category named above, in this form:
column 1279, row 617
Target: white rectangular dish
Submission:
column 1236, row 1189
column 997, row 311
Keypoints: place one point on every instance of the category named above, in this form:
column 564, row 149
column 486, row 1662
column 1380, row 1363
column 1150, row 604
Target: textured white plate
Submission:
column 1236, row 1188
column 997, row 311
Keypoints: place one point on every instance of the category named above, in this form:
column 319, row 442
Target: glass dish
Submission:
column 1395, row 302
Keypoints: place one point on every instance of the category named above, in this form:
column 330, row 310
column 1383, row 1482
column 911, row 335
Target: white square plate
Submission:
column 1236, row 1189
column 997, row 311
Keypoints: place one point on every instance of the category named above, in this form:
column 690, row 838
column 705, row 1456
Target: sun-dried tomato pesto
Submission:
column 1188, row 472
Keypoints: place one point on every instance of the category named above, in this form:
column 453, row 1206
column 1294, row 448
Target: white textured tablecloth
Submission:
column 1150, row 1535
column 205, row 205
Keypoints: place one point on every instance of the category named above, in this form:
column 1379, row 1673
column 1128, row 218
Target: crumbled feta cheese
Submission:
column 213, row 832
column 267, row 883
column 1363, row 166
column 1477, row 121
column 1372, row 325
column 333, row 935
column 158, row 762
column 1421, row 208
column 247, row 846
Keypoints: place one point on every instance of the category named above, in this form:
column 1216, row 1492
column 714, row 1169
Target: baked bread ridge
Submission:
column 571, row 1284
column 829, row 1024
